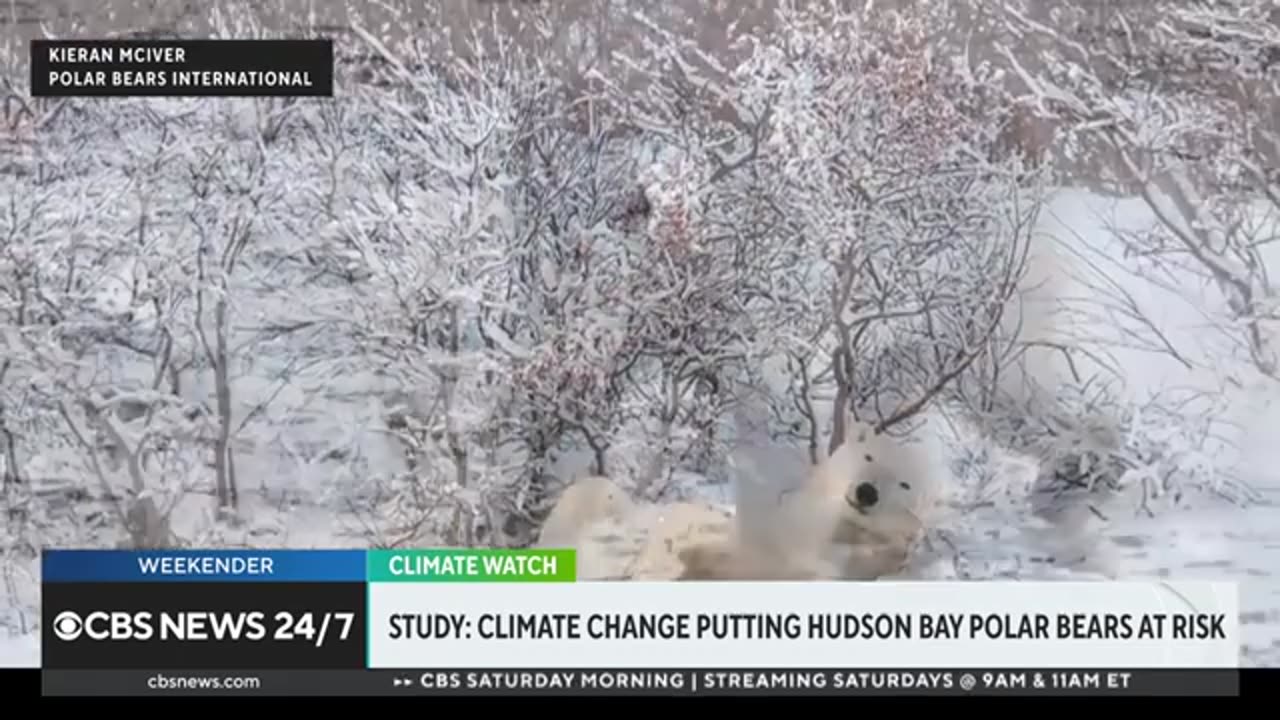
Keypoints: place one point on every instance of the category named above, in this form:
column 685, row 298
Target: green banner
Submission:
column 472, row 565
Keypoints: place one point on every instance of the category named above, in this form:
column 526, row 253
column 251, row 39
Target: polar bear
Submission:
column 734, row 560
column 617, row 538
column 860, row 513
column 648, row 543
column 886, row 492
column 885, row 489
column 689, row 541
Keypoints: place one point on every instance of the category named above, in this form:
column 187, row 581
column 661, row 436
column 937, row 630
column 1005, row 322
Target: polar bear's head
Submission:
column 884, row 489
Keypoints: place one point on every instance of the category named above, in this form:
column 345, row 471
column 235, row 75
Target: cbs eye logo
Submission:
column 68, row 626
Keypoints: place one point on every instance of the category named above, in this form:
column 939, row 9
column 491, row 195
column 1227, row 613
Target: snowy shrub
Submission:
column 1181, row 100
column 506, row 257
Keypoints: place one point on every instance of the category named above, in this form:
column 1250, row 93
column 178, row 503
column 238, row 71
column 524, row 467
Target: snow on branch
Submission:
column 1180, row 99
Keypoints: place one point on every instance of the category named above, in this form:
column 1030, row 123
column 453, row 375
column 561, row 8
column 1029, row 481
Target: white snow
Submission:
column 19, row 651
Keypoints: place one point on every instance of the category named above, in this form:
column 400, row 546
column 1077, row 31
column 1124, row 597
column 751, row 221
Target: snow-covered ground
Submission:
column 1210, row 544
column 20, row 651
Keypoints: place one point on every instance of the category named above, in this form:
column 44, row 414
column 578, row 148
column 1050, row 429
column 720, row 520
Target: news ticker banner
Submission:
column 181, row 68
column 467, row 621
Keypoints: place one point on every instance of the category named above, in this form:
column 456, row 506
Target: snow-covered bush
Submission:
column 531, row 294
column 535, row 249
column 1180, row 99
column 1174, row 103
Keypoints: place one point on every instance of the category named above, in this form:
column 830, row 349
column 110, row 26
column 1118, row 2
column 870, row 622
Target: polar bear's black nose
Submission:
column 866, row 494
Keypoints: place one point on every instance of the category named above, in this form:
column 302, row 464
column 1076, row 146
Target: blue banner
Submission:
column 203, row 566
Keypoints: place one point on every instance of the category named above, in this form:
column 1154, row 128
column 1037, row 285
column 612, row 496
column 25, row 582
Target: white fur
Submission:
column 903, row 472
column 813, row 530
column 870, row 541
column 816, row 527
column 646, row 543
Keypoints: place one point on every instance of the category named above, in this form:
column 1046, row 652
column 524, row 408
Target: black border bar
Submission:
column 648, row 682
